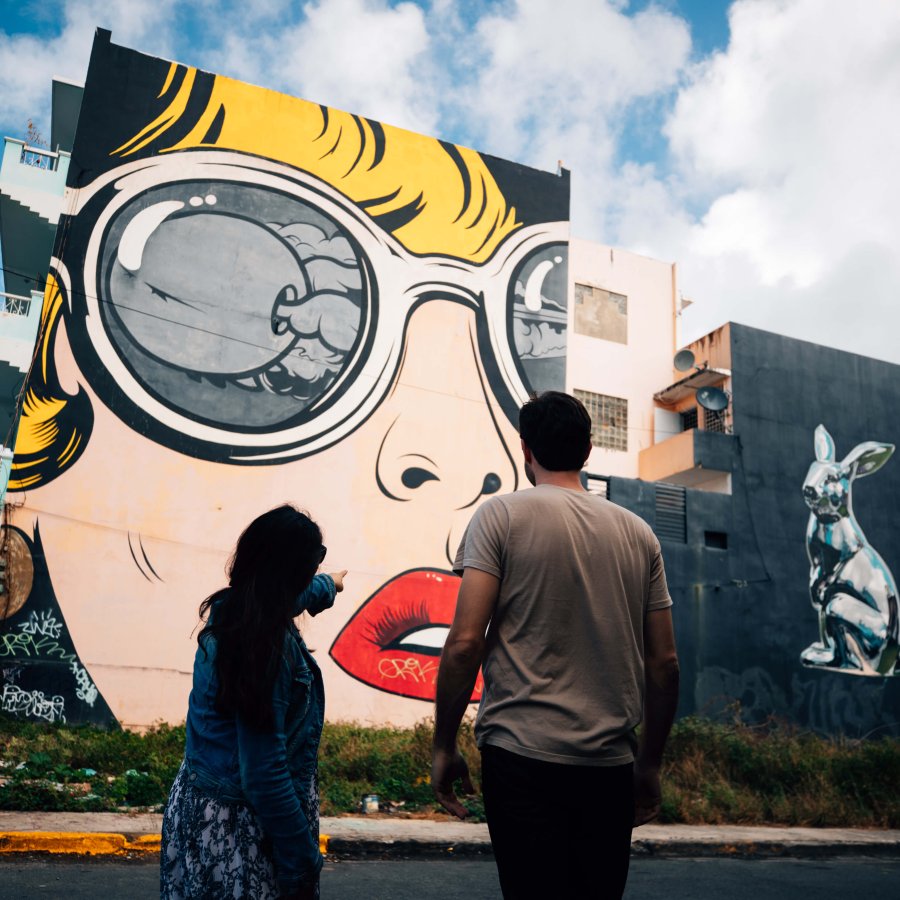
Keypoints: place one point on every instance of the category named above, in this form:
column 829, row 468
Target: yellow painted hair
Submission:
column 438, row 197
column 54, row 426
column 434, row 197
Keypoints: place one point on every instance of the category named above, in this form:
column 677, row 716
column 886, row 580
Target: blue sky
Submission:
column 754, row 142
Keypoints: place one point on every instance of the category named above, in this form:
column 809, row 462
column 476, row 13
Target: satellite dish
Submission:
column 684, row 360
column 712, row 398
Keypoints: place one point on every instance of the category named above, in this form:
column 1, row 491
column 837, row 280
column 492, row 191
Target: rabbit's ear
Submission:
column 864, row 459
column 824, row 445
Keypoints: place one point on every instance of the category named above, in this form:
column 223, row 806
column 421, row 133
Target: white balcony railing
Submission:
column 14, row 305
column 39, row 158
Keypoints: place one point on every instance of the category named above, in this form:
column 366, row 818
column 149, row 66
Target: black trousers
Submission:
column 559, row 832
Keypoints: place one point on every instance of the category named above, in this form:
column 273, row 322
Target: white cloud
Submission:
column 367, row 56
column 556, row 84
column 546, row 74
column 364, row 56
column 790, row 142
column 28, row 64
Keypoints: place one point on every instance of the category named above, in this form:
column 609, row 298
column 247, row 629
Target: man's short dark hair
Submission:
column 557, row 430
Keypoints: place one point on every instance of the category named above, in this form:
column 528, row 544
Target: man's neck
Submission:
column 569, row 480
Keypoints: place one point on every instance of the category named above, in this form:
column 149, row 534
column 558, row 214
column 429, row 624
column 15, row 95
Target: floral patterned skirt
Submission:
column 211, row 849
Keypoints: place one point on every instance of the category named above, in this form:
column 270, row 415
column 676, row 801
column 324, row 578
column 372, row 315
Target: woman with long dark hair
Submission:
column 243, row 816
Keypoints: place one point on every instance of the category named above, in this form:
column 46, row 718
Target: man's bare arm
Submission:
column 461, row 658
column 661, row 677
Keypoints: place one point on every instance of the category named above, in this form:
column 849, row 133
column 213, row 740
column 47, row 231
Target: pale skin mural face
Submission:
column 260, row 300
column 395, row 496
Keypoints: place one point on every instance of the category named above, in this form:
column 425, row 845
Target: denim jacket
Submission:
column 269, row 772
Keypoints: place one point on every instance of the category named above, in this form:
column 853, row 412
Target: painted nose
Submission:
column 416, row 475
column 445, row 445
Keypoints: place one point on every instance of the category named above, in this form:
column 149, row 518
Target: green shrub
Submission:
column 713, row 773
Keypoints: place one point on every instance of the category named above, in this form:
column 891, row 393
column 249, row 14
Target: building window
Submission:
column 714, row 420
column 689, row 419
column 601, row 314
column 609, row 419
column 596, row 484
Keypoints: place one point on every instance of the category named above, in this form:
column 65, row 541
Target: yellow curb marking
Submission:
column 95, row 843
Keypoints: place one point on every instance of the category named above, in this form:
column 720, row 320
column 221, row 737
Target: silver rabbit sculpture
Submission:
column 850, row 586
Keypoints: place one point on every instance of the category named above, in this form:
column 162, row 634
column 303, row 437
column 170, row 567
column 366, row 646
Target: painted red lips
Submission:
column 394, row 641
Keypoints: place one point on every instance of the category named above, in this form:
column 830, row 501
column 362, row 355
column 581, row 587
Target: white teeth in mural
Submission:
column 433, row 637
column 139, row 230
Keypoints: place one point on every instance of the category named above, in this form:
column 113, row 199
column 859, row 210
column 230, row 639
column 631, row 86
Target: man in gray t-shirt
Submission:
column 564, row 604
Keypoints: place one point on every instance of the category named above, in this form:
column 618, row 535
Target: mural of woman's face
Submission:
column 245, row 343
column 392, row 500
column 393, row 496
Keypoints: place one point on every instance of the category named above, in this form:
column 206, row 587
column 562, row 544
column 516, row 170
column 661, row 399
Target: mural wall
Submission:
column 255, row 299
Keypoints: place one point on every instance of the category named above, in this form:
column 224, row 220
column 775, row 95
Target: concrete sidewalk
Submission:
column 125, row 834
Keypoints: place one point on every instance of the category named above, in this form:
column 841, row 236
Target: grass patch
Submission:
column 775, row 774
column 713, row 774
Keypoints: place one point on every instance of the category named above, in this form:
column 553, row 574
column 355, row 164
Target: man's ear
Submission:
column 587, row 453
column 529, row 458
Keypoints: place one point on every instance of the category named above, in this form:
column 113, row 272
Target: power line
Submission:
column 228, row 337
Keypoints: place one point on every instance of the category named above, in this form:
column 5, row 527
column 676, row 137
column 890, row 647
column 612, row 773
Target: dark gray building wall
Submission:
column 743, row 615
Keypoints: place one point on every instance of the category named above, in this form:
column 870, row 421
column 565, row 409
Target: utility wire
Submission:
column 237, row 340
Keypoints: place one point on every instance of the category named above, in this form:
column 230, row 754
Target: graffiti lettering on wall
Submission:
column 43, row 625
column 42, row 643
column 84, row 687
column 32, row 704
column 850, row 586
column 42, row 675
column 258, row 299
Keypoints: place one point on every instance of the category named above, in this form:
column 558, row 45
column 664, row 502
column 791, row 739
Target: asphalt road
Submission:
column 650, row 879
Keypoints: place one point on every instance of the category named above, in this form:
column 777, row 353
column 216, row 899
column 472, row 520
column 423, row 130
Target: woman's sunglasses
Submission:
column 238, row 310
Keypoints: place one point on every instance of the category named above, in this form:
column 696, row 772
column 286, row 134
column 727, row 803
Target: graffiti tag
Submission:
column 408, row 668
column 84, row 687
column 45, row 625
column 25, row 644
column 31, row 643
column 32, row 703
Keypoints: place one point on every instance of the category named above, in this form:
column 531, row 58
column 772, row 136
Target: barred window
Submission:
column 609, row 419
column 714, row 420
column 689, row 419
